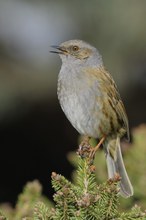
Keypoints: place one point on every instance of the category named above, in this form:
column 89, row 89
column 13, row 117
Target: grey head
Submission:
column 78, row 52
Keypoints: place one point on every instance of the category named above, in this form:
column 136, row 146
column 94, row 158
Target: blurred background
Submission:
column 35, row 136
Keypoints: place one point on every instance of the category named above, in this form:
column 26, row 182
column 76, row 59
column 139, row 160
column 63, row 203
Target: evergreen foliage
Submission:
column 81, row 199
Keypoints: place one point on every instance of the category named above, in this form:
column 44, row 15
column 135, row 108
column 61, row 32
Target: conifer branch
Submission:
column 81, row 199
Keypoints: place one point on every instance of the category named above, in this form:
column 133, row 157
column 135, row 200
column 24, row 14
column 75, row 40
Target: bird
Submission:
column 90, row 100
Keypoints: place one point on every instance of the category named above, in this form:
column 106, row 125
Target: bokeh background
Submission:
column 35, row 136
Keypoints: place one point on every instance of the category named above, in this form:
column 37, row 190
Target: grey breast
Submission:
column 79, row 101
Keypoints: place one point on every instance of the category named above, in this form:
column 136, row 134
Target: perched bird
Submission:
column 90, row 100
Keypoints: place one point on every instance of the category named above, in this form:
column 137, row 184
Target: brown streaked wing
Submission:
column 116, row 101
column 109, row 88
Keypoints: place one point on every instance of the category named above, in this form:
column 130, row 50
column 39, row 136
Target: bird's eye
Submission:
column 75, row 48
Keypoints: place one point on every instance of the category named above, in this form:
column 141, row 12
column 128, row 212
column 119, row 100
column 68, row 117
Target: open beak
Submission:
column 60, row 50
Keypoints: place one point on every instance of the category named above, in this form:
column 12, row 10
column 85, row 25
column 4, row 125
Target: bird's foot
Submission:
column 87, row 151
column 94, row 149
column 84, row 147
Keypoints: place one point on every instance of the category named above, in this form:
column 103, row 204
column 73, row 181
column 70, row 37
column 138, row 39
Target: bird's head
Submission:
column 78, row 51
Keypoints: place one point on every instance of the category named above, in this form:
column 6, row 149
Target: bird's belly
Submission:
column 83, row 112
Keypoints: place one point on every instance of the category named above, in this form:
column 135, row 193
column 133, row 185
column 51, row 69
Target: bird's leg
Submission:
column 84, row 147
column 94, row 149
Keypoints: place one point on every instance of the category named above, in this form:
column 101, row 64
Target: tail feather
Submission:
column 116, row 165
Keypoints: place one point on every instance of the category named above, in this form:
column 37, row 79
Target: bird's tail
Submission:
column 116, row 165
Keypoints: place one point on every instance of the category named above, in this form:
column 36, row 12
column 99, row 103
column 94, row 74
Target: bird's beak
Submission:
column 60, row 50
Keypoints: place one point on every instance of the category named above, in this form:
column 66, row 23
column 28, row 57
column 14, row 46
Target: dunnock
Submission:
column 89, row 98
